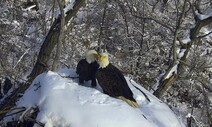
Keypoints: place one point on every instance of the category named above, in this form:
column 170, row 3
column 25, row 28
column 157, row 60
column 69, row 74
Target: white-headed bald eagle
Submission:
column 113, row 82
column 86, row 68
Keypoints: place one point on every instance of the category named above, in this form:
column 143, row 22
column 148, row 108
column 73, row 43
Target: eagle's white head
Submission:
column 103, row 60
column 91, row 56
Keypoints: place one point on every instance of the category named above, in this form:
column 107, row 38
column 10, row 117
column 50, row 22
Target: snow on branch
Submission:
column 171, row 72
column 203, row 16
column 21, row 58
column 193, row 35
column 201, row 23
column 67, row 8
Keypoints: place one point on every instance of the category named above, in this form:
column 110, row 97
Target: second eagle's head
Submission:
column 91, row 56
column 103, row 60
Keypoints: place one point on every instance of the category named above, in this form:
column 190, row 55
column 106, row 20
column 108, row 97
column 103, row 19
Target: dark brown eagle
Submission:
column 86, row 68
column 113, row 82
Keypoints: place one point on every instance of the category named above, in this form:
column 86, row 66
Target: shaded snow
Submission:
column 69, row 6
column 204, row 16
column 63, row 102
column 186, row 41
column 207, row 31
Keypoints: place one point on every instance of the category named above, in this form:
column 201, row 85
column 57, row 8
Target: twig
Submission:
column 22, row 109
column 140, row 91
column 27, row 110
column 35, row 121
column 204, row 35
column 206, row 102
column 102, row 25
column 28, row 115
column 21, row 58
column 9, row 110
column 64, row 64
column 68, row 76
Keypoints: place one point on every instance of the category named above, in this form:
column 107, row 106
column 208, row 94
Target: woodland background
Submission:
column 165, row 45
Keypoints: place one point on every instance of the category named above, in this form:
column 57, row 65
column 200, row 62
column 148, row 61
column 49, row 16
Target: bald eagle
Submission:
column 86, row 68
column 113, row 82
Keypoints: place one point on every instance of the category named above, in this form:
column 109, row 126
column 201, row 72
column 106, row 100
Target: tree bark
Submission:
column 61, row 4
column 99, row 49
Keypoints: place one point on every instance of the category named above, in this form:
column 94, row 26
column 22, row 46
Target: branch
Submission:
column 124, row 15
column 166, row 25
column 189, row 117
column 178, row 25
column 199, row 37
column 61, row 35
column 20, row 109
column 200, row 79
column 101, row 26
column 155, row 20
column 204, row 82
column 201, row 23
column 21, row 58
column 209, row 115
column 167, row 83
column 140, row 91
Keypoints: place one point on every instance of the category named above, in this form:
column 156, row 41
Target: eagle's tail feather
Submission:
column 130, row 102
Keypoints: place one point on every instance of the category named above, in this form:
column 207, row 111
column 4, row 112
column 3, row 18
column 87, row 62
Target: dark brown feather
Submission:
column 113, row 82
column 87, row 71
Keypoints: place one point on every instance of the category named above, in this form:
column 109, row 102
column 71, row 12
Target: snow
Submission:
column 2, row 80
column 29, row 8
column 69, row 6
column 207, row 31
column 186, row 41
column 135, row 9
column 210, row 96
column 155, row 86
column 204, row 16
column 172, row 71
column 63, row 102
column 181, row 53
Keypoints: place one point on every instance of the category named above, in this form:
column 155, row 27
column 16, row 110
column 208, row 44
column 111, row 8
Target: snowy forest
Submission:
column 163, row 45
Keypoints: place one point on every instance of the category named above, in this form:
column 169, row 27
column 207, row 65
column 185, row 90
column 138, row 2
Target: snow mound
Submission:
column 62, row 102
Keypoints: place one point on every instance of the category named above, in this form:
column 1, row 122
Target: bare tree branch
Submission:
column 61, row 4
column 199, row 37
column 201, row 23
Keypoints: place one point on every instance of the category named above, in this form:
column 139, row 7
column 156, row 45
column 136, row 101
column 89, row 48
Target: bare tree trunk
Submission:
column 43, row 58
column 164, row 83
column 61, row 4
column 50, row 42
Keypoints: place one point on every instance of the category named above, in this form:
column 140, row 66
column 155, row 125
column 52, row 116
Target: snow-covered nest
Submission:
column 62, row 102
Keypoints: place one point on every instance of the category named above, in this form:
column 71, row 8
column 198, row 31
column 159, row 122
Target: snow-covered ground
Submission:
column 63, row 102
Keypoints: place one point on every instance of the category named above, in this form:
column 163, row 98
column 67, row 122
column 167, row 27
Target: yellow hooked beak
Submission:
column 101, row 58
